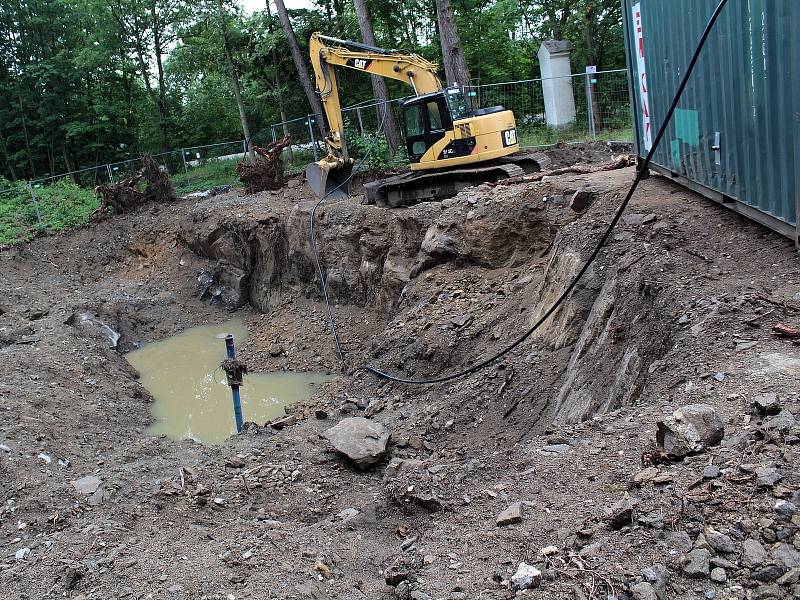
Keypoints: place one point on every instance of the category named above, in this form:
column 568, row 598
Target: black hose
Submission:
column 313, row 238
column 642, row 169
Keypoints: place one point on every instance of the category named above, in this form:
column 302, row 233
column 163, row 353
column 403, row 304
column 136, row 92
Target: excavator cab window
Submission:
column 458, row 103
column 426, row 119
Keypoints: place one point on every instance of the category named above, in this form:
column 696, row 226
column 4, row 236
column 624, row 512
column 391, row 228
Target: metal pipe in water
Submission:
column 234, row 383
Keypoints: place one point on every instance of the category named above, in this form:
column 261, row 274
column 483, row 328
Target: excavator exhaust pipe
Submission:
column 329, row 179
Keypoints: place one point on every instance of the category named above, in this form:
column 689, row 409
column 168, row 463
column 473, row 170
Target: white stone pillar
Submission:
column 559, row 98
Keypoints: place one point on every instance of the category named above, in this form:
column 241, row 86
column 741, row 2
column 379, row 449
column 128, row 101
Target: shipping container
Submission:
column 735, row 136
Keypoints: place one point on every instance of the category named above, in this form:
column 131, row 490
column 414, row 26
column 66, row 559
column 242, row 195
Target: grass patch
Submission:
column 211, row 174
column 548, row 136
column 62, row 205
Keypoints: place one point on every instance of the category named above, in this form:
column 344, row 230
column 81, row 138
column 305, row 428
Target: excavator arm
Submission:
column 328, row 175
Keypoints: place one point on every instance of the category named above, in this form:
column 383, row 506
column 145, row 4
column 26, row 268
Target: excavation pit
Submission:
column 192, row 399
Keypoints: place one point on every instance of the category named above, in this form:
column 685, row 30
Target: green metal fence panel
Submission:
column 735, row 134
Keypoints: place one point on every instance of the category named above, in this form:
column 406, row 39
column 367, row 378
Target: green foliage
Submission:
column 60, row 206
column 376, row 150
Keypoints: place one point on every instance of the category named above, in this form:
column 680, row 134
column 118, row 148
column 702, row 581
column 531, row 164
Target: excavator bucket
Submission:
column 330, row 180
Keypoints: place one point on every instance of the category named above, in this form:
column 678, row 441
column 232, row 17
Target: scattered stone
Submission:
column 718, row 575
column 767, row 476
column 22, row 553
column 321, row 414
column 219, row 501
column 711, row 472
column 45, row 458
column 658, row 576
column 724, row 563
column 284, row 422
column 555, row 449
column 781, row 422
column 275, row 349
column 768, row 573
column 699, row 562
column 235, row 462
column 5, row 448
column 663, row 479
column 637, row 219
column 785, row 509
column 753, row 554
column 87, row 485
column 348, row 513
column 678, row 541
column 766, row 404
column 720, row 542
column 621, row 514
column 645, row 475
column 581, row 200
column 742, row 346
column 791, row 577
column 461, row 320
column 511, row 515
column 361, row 440
column 690, row 430
column 549, row 550
column 643, row 591
column 418, row 595
column 787, row 556
column 526, row 577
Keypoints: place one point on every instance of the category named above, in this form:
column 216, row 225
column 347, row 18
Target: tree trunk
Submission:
column 379, row 89
column 9, row 164
column 162, row 87
column 237, row 92
column 67, row 163
column 305, row 80
column 27, row 139
column 455, row 65
column 278, row 92
column 591, row 59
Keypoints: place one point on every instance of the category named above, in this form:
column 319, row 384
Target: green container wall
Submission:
column 746, row 86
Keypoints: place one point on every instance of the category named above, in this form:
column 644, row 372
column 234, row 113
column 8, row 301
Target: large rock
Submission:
column 361, row 440
column 690, row 430
column 698, row 563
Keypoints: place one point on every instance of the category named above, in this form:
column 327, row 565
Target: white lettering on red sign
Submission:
column 642, row 79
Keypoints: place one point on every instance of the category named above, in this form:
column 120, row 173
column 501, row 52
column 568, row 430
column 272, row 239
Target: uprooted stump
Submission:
column 266, row 172
column 124, row 196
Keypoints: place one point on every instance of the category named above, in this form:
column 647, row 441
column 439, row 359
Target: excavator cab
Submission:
column 429, row 117
column 444, row 129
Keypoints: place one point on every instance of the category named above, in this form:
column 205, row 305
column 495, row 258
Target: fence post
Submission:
column 360, row 122
column 183, row 157
column 313, row 139
column 35, row 204
column 590, row 73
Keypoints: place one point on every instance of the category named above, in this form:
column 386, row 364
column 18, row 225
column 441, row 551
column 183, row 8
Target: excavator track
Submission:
column 415, row 187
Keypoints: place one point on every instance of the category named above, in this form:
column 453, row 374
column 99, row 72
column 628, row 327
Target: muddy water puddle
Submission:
column 191, row 398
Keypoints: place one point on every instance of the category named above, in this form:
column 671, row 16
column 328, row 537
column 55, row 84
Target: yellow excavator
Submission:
column 451, row 144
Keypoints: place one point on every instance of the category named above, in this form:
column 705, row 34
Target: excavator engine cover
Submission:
column 330, row 180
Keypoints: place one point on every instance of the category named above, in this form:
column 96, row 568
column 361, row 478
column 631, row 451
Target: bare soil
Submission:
column 678, row 310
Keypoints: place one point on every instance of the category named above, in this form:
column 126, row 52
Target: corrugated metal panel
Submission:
column 744, row 97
